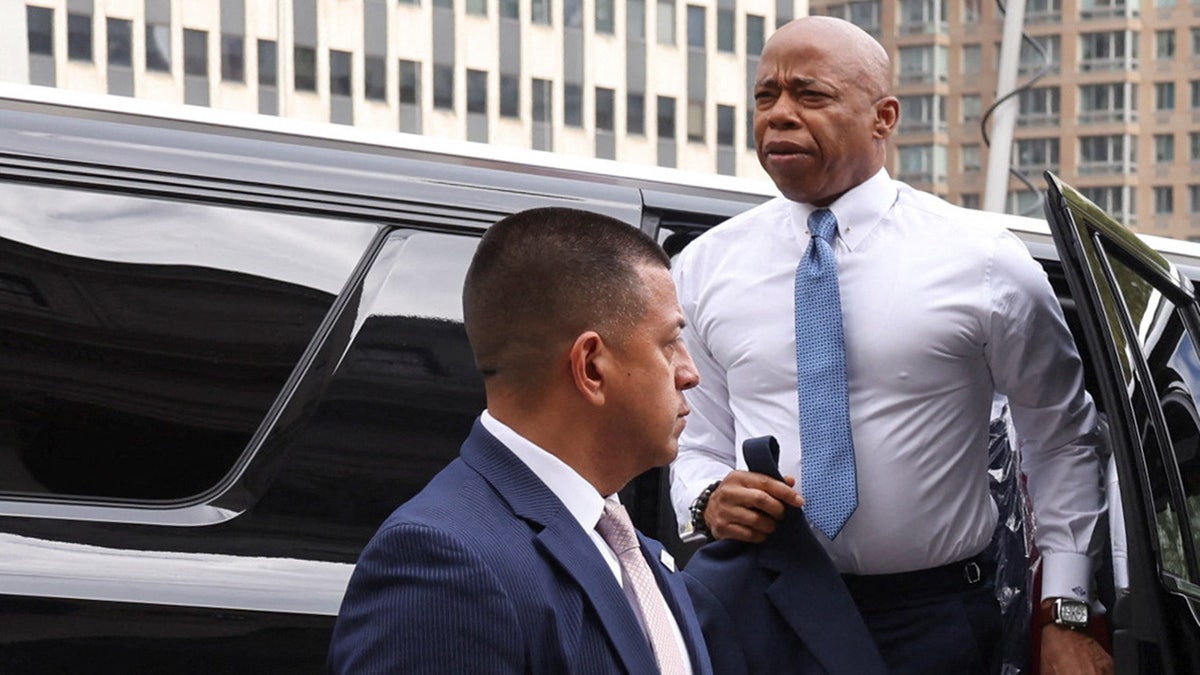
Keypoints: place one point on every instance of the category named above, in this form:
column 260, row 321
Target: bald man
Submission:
column 941, row 308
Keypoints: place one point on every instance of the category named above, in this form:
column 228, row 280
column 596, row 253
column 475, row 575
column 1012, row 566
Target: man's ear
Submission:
column 589, row 361
column 887, row 116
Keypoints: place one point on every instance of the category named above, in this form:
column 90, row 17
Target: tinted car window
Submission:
column 142, row 341
column 398, row 394
column 1160, row 327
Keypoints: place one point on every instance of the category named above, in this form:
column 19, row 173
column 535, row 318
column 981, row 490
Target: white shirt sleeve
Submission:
column 1035, row 363
column 707, row 447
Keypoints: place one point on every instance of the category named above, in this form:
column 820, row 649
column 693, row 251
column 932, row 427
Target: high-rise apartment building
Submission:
column 648, row 81
column 1115, row 112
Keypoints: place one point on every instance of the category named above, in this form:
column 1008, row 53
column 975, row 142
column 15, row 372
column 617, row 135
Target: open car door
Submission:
column 1141, row 332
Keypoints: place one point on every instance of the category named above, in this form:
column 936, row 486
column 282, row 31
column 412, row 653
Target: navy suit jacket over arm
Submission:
column 486, row 571
column 779, row 606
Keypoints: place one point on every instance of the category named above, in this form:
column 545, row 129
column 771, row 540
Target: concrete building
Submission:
column 1116, row 111
column 647, row 81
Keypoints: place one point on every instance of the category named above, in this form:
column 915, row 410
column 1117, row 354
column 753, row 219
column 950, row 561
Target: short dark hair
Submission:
column 543, row 276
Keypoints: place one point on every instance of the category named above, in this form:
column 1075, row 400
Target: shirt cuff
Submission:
column 1066, row 575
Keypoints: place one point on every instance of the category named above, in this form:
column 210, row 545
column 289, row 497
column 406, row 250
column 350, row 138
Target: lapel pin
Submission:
column 667, row 560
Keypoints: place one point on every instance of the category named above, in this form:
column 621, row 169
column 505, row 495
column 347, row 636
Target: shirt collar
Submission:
column 580, row 497
column 858, row 211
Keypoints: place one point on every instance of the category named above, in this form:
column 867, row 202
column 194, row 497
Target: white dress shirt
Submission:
column 942, row 307
column 580, row 497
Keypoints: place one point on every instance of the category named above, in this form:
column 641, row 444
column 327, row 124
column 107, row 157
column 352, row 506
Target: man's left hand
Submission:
column 1070, row 652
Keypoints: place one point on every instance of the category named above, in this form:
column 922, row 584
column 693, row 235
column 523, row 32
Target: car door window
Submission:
column 1163, row 330
column 143, row 341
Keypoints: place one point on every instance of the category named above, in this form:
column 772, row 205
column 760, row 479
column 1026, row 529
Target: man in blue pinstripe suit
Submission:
column 497, row 566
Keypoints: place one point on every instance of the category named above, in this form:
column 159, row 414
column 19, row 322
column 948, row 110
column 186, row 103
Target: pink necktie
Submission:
column 617, row 531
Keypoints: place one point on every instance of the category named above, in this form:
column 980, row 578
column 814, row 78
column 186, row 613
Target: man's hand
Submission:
column 747, row 505
column 1069, row 652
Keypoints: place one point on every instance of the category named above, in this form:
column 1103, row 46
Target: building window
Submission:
column 120, row 42
column 1109, row 50
column 666, row 22
column 1164, row 44
column 195, row 52
column 510, row 96
column 1037, row 154
column 1043, row 11
column 1194, row 198
column 443, row 87
column 969, row 200
column 340, row 73
column 1195, row 41
column 1164, row 95
column 375, row 78
column 1110, row 102
column 971, row 11
column 605, row 109
column 971, row 157
column 604, row 17
column 635, row 114
column 573, row 13
column 268, row 68
column 79, row 37
column 305, row 63
column 923, row 64
column 1102, row 153
column 1040, row 53
column 477, row 7
column 477, row 85
column 233, row 58
column 1164, row 200
column 410, row 82
column 543, row 109
column 726, row 114
column 539, row 12
column 510, row 9
column 695, row 26
column 972, row 59
column 1194, row 146
column 725, row 31
column 1111, row 199
column 972, row 108
column 1164, row 148
column 666, row 118
column 40, row 30
column 158, row 47
column 1039, row 106
column 635, row 20
column 573, row 105
column 755, row 34
column 923, row 113
column 695, row 121
column 922, row 16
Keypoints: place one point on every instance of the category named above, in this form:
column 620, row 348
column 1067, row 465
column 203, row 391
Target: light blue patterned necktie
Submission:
column 827, row 450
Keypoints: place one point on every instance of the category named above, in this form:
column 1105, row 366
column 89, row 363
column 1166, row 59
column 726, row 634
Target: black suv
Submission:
column 230, row 346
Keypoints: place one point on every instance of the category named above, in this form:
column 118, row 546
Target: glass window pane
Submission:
column 306, row 68
column 195, row 52
column 410, row 82
column 477, row 91
column 120, row 42
column 375, row 78
column 510, row 96
column 573, row 105
column 635, row 114
column 604, row 17
column 40, row 27
column 158, row 47
column 79, row 37
column 233, row 58
column 605, row 109
column 443, row 87
column 725, row 30
column 268, row 74
column 340, row 73
column 666, row 22
column 666, row 118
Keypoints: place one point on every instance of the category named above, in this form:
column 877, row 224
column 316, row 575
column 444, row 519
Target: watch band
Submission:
column 697, row 528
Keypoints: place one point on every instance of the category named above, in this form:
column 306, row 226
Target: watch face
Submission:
column 1073, row 613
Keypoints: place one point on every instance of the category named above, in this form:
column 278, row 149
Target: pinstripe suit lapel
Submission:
column 563, row 541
